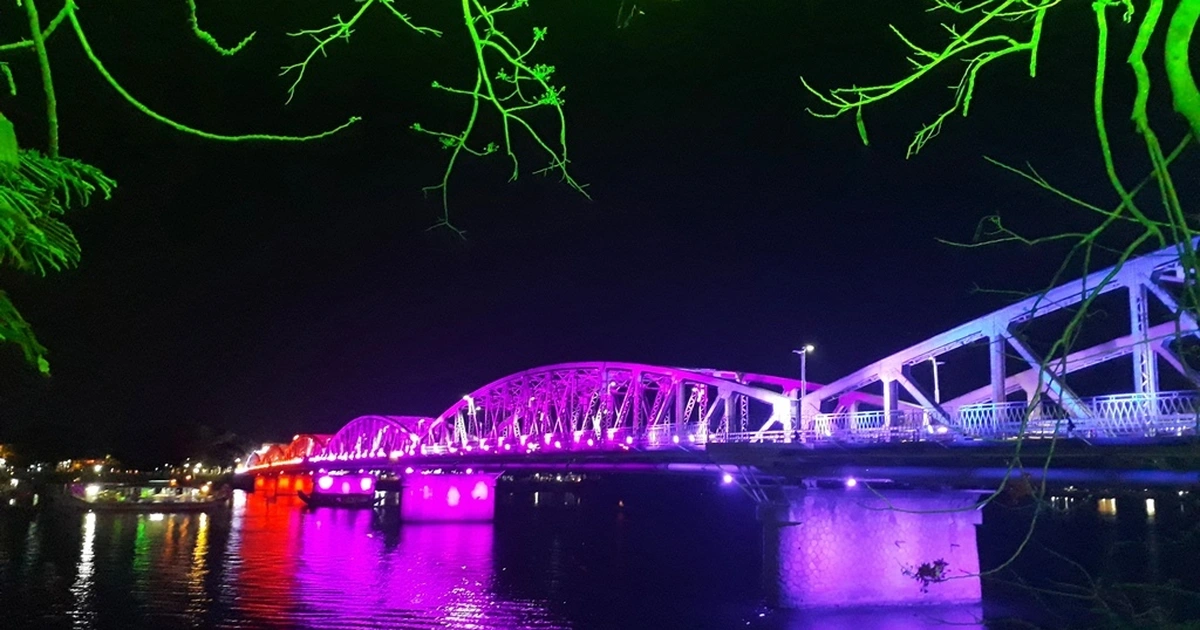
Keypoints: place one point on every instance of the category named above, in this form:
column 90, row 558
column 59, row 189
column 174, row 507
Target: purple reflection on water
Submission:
column 352, row 574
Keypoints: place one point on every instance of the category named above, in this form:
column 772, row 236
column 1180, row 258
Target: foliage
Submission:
column 36, row 190
column 979, row 34
column 928, row 573
column 508, row 82
column 34, row 197
column 507, row 95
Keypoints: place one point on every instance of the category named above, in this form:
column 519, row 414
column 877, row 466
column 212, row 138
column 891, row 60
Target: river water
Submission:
column 619, row 553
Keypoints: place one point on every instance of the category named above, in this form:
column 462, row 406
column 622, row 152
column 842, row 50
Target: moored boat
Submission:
column 319, row 499
column 111, row 497
column 341, row 490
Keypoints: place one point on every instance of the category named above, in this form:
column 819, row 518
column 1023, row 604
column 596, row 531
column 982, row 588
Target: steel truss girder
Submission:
column 1142, row 276
column 600, row 400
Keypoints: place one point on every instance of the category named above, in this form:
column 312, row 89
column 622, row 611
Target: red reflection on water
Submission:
column 265, row 538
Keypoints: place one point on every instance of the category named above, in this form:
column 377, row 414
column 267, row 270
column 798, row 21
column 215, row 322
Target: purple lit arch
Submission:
column 616, row 406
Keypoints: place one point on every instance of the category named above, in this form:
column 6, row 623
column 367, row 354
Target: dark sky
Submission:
column 269, row 289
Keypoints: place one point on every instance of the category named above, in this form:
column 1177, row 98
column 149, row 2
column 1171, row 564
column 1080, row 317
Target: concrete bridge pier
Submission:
column 283, row 483
column 448, row 498
column 835, row 548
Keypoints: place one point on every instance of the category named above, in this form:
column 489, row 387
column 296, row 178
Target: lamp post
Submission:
column 937, row 389
column 803, row 352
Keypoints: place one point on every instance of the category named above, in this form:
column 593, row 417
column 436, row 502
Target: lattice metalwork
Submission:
column 604, row 403
column 1144, row 278
column 375, row 437
column 621, row 406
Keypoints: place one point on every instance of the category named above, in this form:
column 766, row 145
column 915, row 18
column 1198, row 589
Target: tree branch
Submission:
column 91, row 55
column 39, row 44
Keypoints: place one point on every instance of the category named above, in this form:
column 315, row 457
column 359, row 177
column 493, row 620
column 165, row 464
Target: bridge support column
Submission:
column 996, row 348
column 1145, row 363
column 448, row 498
column 282, row 484
column 997, row 359
column 827, row 548
column 891, row 401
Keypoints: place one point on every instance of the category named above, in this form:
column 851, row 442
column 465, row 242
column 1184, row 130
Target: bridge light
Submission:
column 727, row 478
column 549, row 436
column 365, row 484
column 629, row 439
column 325, row 482
column 851, row 482
column 591, row 442
column 675, row 439
column 408, row 471
column 557, row 444
column 508, row 447
column 470, row 470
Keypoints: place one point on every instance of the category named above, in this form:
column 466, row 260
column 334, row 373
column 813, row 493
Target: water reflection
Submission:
column 331, row 568
column 274, row 564
column 82, row 613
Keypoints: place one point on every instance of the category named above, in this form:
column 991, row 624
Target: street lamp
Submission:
column 803, row 351
column 937, row 389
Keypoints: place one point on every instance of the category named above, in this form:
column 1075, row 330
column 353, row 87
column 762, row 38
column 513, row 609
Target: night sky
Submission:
column 269, row 289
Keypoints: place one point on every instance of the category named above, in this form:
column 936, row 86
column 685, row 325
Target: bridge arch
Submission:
column 306, row 445
column 606, row 401
column 376, row 437
column 1152, row 277
column 266, row 455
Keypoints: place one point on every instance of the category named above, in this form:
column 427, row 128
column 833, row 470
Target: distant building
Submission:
column 88, row 465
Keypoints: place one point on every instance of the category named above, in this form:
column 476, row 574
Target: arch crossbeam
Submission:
column 1152, row 275
column 617, row 406
column 606, row 402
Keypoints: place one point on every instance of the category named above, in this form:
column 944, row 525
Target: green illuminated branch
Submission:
column 1110, row 168
column 528, row 89
column 35, row 193
column 341, row 29
column 28, row 43
column 14, row 329
column 32, row 198
column 207, row 37
column 1179, row 73
column 39, row 44
column 87, row 49
column 1159, row 227
column 980, row 50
